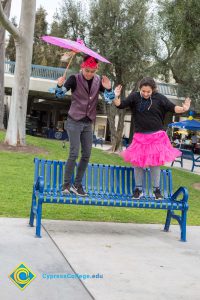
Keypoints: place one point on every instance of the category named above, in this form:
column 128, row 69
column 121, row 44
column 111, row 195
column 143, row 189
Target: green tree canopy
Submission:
column 68, row 22
column 119, row 30
column 10, row 49
column 39, row 47
column 179, row 31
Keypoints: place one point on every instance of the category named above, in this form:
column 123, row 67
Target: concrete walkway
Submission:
column 42, row 256
column 123, row 261
column 135, row 261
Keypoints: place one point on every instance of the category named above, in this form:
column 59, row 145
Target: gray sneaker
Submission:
column 78, row 190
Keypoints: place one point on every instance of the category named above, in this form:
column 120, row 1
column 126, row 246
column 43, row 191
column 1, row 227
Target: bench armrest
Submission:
column 39, row 186
column 182, row 191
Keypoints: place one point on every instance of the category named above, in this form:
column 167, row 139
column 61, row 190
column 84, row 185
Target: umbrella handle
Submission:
column 65, row 73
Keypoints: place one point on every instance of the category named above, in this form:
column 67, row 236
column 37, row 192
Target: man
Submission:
column 85, row 88
column 194, row 142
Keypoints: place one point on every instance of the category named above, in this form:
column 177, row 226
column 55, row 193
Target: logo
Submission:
column 22, row 276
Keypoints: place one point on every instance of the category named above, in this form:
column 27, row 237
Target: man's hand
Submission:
column 186, row 104
column 61, row 81
column 106, row 82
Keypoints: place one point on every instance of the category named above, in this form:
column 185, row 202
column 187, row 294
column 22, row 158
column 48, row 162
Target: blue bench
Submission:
column 125, row 142
column 97, row 140
column 187, row 154
column 106, row 186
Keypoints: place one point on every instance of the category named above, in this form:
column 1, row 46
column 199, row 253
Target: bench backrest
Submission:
column 187, row 154
column 98, row 178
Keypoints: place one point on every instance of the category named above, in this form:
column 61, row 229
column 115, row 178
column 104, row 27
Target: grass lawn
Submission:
column 16, row 179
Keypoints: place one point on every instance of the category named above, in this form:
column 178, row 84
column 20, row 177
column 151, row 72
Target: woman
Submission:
column 150, row 146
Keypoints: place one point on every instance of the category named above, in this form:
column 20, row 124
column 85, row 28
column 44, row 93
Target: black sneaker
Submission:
column 66, row 188
column 78, row 190
column 137, row 194
column 157, row 194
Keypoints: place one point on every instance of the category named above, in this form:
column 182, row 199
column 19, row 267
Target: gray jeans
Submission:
column 155, row 173
column 80, row 133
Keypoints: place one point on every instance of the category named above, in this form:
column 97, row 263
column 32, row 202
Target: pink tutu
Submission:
column 152, row 149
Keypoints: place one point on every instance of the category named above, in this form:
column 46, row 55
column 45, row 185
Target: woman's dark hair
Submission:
column 87, row 56
column 148, row 81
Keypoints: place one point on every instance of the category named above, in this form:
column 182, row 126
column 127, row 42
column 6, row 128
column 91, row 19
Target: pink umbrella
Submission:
column 75, row 46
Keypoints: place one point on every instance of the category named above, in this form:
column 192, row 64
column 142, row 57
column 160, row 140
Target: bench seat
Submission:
column 109, row 186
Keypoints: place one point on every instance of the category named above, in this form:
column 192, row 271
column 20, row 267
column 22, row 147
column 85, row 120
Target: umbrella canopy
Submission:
column 75, row 46
column 187, row 124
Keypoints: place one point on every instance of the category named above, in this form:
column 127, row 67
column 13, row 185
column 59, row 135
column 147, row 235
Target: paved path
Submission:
column 139, row 262
column 19, row 245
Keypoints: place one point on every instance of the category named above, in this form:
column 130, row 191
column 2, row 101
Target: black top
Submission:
column 70, row 83
column 148, row 115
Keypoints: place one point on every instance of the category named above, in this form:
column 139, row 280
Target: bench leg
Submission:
column 38, row 220
column 181, row 162
column 31, row 221
column 183, row 225
column 168, row 220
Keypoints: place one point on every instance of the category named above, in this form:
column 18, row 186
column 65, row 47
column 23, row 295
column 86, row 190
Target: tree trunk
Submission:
column 6, row 6
column 132, row 129
column 115, row 130
column 16, row 131
column 2, row 52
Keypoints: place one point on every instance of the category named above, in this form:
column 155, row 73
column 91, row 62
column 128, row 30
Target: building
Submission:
column 45, row 112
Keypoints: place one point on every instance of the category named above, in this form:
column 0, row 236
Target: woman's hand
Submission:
column 117, row 92
column 186, row 104
column 106, row 82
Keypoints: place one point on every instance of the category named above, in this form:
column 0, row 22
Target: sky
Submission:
column 49, row 5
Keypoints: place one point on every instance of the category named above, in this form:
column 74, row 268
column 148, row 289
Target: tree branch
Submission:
column 7, row 24
column 177, row 78
column 167, row 46
column 174, row 54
